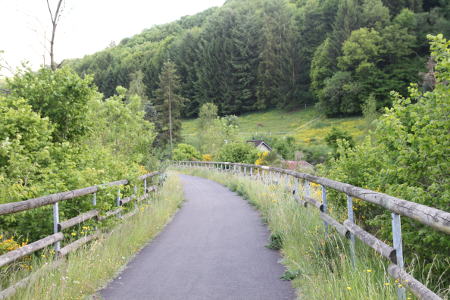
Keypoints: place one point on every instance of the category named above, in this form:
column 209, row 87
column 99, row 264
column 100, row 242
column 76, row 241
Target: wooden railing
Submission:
column 435, row 218
column 57, row 237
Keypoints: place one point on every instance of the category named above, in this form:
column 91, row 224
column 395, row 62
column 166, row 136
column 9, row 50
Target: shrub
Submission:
column 60, row 95
column 335, row 135
column 239, row 153
column 42, row 153
column 185, row 152
column 207, row 157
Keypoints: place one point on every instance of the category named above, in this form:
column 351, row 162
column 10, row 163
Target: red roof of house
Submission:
column 294, row 164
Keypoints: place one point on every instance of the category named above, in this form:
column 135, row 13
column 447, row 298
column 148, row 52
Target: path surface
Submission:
column 214, row 248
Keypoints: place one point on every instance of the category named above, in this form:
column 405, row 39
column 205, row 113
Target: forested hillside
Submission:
column 258, row 54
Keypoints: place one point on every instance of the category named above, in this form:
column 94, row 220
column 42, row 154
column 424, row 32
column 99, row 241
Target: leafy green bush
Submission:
column 60, row 95
column 407, row 156
column 335, row 135
column 63, row 136
column 186, row 152
column 239, row 153
column 316, row 154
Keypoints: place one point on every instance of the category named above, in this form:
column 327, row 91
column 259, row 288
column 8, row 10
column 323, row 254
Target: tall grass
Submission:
column 318, row 264
column 90, row 268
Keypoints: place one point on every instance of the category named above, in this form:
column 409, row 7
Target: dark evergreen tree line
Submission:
column 258, row 54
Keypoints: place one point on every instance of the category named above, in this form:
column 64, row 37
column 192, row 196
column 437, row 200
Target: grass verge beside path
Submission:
column 91, row 267
column 318, row 266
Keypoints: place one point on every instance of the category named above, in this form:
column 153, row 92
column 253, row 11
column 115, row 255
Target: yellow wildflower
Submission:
column 369, row 270
column 73, row 233
column 349, row 288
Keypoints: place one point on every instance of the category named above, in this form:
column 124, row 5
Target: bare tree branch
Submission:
column 50, row 10
column 55, row 20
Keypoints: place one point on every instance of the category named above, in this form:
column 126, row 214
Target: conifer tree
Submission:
column 168, row 105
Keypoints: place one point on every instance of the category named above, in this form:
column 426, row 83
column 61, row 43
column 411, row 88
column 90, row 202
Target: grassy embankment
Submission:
column 91, row 267
column 319, row 266
column 307, row 126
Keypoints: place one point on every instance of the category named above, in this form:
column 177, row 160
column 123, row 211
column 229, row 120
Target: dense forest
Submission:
column 258, row 54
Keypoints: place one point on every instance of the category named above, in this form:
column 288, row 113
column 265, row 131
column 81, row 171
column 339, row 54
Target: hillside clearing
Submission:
column 307, row 126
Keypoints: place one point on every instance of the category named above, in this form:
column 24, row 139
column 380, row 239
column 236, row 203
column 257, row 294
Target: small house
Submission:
column 260, row 145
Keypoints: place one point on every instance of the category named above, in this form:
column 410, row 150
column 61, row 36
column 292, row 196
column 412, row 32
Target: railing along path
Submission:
column 59, row 226
column 435, row 218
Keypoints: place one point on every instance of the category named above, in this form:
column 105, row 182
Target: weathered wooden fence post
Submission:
column 397, row 240
column 352, row 236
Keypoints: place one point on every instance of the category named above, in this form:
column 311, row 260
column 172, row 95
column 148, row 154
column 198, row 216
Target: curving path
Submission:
column 214, row 248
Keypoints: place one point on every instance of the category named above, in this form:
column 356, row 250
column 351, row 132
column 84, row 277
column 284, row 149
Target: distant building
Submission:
column 260, row 145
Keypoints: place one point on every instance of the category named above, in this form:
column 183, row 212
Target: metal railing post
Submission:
column 135, row 196
column 145, row 186
column 306, row 187
column 118, row 198
column 287, row 182
column 397, row 239
column 57, row 245
column 295, row 191
column 352, row 236
column 94, row 203
column 325, row 206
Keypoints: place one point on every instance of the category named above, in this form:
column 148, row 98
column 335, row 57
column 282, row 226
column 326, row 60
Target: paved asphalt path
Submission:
column 214, row 248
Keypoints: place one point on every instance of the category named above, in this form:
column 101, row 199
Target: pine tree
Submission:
column 278, row 68
column 168, row 106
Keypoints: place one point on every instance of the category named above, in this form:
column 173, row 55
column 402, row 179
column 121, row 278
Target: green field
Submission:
column 307, row 126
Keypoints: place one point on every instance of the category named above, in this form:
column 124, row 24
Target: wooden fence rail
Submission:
column 19, row 206
column 435, row 218
column 58, row 236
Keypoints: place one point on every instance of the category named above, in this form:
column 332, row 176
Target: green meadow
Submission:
column 307, row 126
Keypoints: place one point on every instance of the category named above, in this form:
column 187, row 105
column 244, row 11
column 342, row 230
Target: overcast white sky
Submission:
column 86, row 26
